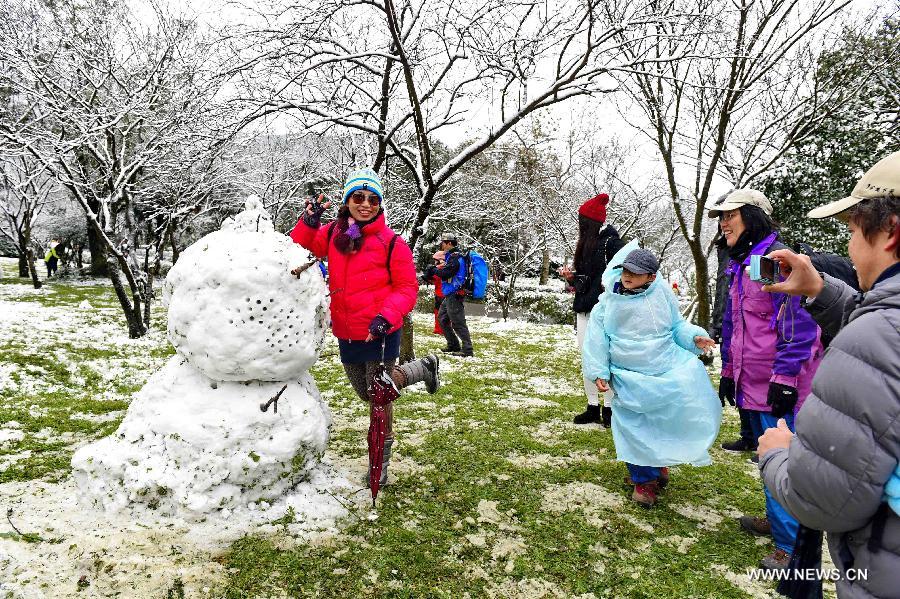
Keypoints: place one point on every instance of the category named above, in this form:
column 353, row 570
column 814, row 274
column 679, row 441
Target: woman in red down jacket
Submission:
column 372, row 280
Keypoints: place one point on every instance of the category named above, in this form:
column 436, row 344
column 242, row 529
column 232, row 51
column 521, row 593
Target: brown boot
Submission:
column 759, row 527
column 779, row 560
column 644, row 494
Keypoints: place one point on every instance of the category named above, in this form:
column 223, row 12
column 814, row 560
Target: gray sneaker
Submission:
column 432, row 373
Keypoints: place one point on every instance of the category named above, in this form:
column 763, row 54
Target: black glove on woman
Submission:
column 379, row 326
column 312, row 213
column 782, row 399
column 726, row 390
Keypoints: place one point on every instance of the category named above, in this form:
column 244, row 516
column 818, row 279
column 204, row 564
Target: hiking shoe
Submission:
column 662, row 481
column 644, row 494
column 739, row 445
column 606, row 417
column 756, row 526
column 777, row 560
column 432, row 373
column 591, row 414
column 755, row 459
column 463, row 353
column 449, row 350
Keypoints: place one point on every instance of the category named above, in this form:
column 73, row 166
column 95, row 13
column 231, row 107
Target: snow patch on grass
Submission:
column 8, row 434
column 530, row 588
column 543, row 460
column 589, row 499
column 707, row 518
column 742, row 581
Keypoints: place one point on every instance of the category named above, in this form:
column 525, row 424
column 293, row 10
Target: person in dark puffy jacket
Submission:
column 770, row 347
column 833, row 474
column 372, row 280
column 598, row 242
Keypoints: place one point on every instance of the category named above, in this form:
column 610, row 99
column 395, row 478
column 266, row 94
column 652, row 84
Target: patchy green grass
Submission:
column 493, row 491
column 66, row 376
column 473, row 518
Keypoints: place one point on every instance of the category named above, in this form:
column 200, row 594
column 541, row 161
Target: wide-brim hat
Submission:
column 738, row 198
column 880, row 181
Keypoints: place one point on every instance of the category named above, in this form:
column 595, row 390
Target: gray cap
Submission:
column 641, row 262
column 448, row 236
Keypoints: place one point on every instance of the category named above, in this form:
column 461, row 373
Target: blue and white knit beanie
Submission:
column 364, row 178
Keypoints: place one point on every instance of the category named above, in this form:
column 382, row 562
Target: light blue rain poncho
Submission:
column 665, row 411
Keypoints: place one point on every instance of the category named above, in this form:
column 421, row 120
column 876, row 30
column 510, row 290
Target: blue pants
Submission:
column 784, row 527
column 642, row 474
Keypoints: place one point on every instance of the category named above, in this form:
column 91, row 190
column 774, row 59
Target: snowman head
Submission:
column 235, row 311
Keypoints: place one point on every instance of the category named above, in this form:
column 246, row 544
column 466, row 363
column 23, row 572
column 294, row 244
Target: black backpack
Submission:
column 832, row 264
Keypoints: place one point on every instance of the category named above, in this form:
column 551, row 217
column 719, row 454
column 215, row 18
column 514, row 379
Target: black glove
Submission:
column 782, row 399
column 726, row 390
column 312, row 213
column 379, row 326
column 428, row 275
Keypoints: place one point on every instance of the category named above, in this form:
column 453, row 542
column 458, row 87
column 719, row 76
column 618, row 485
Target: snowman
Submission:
column 233, row 418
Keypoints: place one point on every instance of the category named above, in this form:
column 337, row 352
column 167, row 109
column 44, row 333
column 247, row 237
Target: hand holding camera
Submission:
column 801, row 277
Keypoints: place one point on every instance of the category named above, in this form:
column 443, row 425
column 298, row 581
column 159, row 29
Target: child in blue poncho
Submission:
column 665, row 411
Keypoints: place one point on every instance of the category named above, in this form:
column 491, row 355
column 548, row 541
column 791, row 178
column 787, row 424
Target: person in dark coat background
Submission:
column 598, row 242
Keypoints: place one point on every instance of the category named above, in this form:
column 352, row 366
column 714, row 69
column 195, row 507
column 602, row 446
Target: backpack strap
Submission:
column 390, row 251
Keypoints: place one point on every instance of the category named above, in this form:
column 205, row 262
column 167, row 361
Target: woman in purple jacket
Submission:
column 771, row 346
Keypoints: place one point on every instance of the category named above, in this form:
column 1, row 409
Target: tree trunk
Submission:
column 99, row 265
column 545, row 265
column 23, row 264
column 23, row 255
column 407, row 350
column 31, row 267
column 175, row 251
column 701, row 267
column 133, row 314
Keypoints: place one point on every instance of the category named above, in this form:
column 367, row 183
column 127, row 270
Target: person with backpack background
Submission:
column 372, row 280
column 598, row 242
column 429, row 278
column 452, row 271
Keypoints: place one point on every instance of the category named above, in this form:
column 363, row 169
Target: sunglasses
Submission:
column 358, row 198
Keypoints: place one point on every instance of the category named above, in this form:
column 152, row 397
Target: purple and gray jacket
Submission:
column 766, row 337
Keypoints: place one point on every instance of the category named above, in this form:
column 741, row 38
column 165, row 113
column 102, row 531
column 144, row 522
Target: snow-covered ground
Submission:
column 142, row 554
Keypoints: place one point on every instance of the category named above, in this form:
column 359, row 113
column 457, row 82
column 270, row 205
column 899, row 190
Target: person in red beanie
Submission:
column 598, row 242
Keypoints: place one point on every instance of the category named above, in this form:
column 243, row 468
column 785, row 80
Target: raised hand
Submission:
column 312, row 215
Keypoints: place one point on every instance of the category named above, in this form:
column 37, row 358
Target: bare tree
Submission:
column 112, row 101
column 27, row 189
column 743, row 97
column 402, row 71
